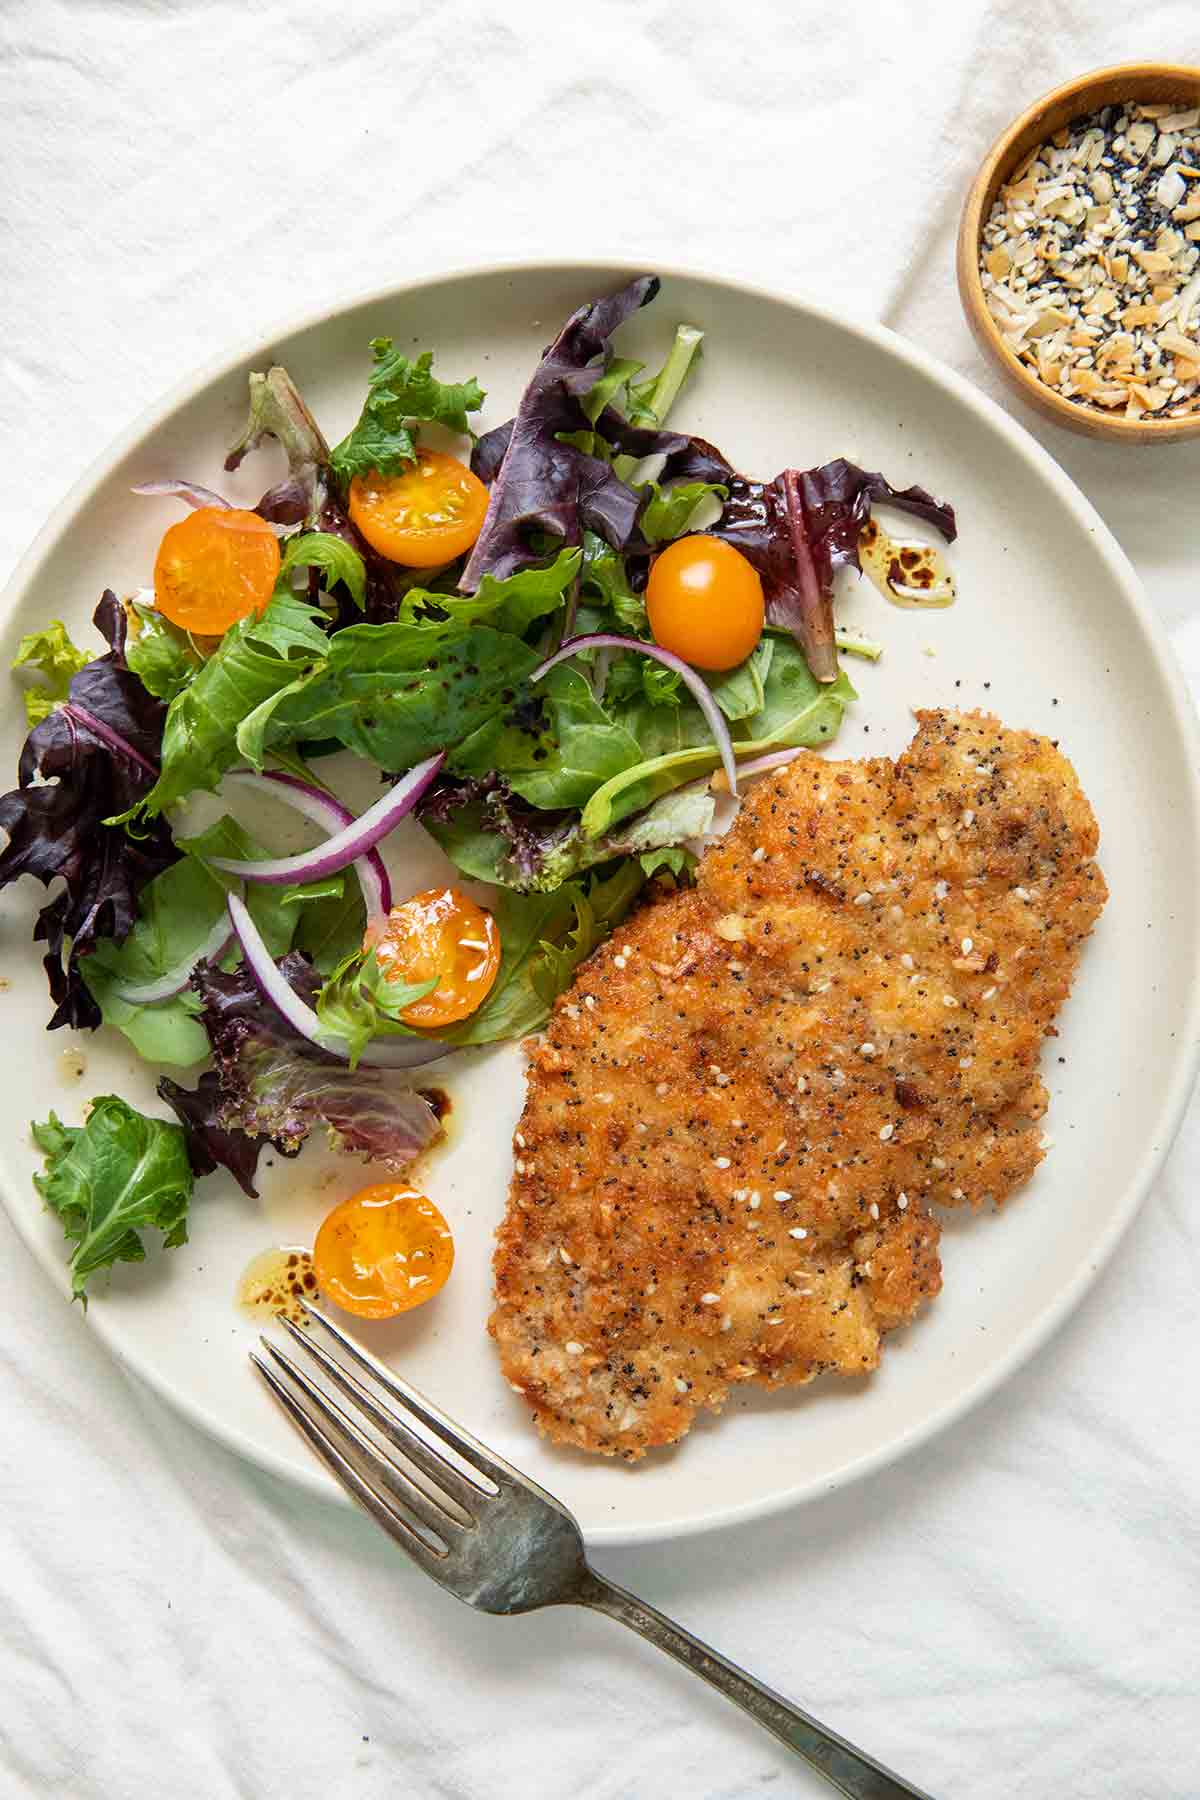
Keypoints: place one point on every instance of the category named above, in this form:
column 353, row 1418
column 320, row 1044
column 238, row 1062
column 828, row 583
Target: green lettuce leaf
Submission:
column 603, row 574
column 336, row 559
column 555, row 745
column 120, row 1174
column 359, row 1002
column 256, row 661
column 660, row 685
column 650, row 401
column 275, row 910
column 512, row 604
column 796, row 710
column 168, row 1032
column 632, row 679
column 543, row 939
column 660, row 730
column 476, row 844
column 401, row 392
column 55, row 658
column 163, row 658
column 396, row 693
column 668, row 511
column 330, row 930
column 637, row 686
column 686, row 812
column 611, row 389
column 177, row 911
column 672, row 859
column 741, row 692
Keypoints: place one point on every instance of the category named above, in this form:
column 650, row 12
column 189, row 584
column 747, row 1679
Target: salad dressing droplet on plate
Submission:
column 275, row 1281
column 907, row 574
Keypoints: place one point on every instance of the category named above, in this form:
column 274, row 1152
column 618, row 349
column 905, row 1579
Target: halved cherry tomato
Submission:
column 705, row 602
column 383, row 1251
column 427, row 515
column 439, row 932
column 215, row 567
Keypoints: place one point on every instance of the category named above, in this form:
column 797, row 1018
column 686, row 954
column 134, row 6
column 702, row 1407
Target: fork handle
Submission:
column 854, row 1774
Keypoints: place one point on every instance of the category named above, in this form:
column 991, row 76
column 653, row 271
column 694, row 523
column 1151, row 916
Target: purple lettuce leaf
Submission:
column 800, row 528
column 796, row 530
column 516, row 838
column 210, row 1144
column 765, row 520
column 491, row 835
column 687, row 458
column 276, row 1085
column 488, row 452
column 93, row 757
column 539, row 484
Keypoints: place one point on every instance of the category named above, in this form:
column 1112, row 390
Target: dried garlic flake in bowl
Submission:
column 1090, row 260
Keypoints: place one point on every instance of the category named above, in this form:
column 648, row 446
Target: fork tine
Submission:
column 493, row 1468
column 339, row 1465
column 400, row 1486
column 463, row 1492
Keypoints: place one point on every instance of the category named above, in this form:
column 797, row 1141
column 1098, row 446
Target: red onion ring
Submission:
column 347, row 845
column 332, row 816
column 191, row 491
column 758, row 765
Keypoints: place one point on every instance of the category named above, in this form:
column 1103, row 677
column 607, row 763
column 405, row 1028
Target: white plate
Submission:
column 1051, row 631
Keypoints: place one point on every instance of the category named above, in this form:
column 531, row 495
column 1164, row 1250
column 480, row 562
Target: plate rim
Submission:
column 956, row 386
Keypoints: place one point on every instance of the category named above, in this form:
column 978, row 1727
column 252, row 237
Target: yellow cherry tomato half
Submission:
column 383, row 1251
column 439, row 932
column 427, row 515
column 215, row 567
column 705, row 602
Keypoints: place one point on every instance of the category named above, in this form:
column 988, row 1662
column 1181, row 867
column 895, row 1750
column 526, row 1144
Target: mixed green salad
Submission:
column 533, row 651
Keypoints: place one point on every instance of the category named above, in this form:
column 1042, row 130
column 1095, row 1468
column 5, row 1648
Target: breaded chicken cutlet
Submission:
column 742, row 1111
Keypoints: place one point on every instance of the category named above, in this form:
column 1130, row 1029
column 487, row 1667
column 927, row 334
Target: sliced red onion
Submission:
column 395, row 1053
column 191, row 491
column 603, row 640
column 348, row 844
column 333, row 817
column 174, row 980
column 758, row 765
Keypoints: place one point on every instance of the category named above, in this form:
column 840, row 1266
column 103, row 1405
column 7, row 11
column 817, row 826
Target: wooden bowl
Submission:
column 1086, row 94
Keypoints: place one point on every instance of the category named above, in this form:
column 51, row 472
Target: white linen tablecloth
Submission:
column 1015, row 1610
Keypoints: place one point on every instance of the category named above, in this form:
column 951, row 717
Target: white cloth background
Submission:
column 1015, row 1610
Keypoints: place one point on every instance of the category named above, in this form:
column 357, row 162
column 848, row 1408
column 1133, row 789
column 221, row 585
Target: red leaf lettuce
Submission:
column 272, row 1085
column 539, row 483
column 91, row 758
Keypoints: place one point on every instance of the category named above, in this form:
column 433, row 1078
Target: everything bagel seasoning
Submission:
column 1089, row 260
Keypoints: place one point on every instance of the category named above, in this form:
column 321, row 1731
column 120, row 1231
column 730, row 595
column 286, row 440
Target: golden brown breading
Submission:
column 742, row 1110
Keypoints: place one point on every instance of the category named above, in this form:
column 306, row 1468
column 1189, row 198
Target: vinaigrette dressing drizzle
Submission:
column 275, row 1281
column 907, row 574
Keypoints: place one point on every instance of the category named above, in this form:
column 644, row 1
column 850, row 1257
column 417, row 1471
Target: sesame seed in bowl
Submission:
column 1079, row 254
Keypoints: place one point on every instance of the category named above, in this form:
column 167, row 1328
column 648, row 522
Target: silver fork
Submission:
column 489, row 1535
